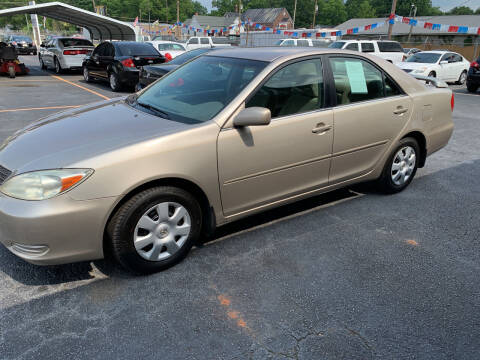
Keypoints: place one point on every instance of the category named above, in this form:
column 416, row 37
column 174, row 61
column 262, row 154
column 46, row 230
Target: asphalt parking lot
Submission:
column 348, row 275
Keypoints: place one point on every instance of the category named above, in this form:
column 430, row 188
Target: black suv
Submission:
column 23, row 44
column 119, row 62
column 473, row 78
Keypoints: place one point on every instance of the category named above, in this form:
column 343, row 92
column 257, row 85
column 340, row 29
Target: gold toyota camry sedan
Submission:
column 226, row 135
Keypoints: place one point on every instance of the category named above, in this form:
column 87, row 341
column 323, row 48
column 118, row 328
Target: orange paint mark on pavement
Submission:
column 42, row 108
column 412, row 242
column 232, row 314
column 223, row 300
column 241, row 323
column 81, row 87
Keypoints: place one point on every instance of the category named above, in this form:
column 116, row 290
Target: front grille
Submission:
column 408, row 70
column 4, row 174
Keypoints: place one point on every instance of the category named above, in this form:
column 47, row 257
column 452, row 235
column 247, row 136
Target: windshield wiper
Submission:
column 154, row 109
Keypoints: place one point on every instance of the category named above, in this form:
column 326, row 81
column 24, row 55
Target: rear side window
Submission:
column 352, row 46
column 302, row 43
column 356, row 80
column 135, row 49
column 288, row 43
column 297, row 88
column 204, row 41
column 368, row 47
column 389, row 46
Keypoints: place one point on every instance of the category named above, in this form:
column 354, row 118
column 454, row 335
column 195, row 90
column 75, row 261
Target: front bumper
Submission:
column 55, row 231
column 26, row 50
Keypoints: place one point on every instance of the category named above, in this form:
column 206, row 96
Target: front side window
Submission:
column 199, row 90
column 204, row 41
column 337, row 45
column 295, row 89
column 356, row 80
column 352, row 46
column 288, row 43
column 193, row 41
column 302, row 43
column 368, row 47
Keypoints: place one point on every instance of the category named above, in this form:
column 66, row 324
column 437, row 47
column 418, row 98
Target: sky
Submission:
column 443, row 4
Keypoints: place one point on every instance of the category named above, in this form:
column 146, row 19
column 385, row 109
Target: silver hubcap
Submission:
column 463, row 78
column 162, row 231
column 85, row 73
column 403, row 165
column 113, row 81
column 57, row 66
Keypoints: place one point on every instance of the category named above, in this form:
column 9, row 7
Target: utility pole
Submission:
column 294, row 13
column 314, row 13
column 178, row 31
column 390, row 26
column 166, row 11
column 411, row 26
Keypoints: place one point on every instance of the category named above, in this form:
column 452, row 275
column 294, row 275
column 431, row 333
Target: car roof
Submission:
column 440, row 52
column 268, row 54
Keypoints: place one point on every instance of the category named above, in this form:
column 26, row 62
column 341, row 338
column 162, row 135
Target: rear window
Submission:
column 337, row 45
column 389, row 46
column 135, row 49
column 75, row 42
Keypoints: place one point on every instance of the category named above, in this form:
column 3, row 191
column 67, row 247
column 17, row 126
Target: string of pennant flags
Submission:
column 313, row 33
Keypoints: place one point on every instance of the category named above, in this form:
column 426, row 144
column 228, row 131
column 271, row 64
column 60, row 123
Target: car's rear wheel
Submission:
column 115, row 84
column 401, row 167
column 42, row 64
column 462, row 79
column 58, row 67
column 472, row 88
column 155, row 229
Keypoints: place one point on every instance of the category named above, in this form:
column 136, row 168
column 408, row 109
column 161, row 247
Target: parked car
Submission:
column 410, row 51
column 226, row 135
column 168, row 49
column 196, row 42
column 64, row 53
column 391, row 51
column 23, row 44
column 151, row 73
column 473, row 78
column 444, row 65
column 119, row 62
column 304, row 42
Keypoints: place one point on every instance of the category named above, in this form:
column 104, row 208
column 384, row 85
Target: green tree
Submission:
column 359, row 9
column 461, row 10
column 424, row 7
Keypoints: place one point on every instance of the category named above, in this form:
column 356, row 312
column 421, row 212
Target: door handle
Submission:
column 321, row 128
column 400, row 111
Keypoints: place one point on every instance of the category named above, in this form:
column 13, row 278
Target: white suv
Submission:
column 389, row 50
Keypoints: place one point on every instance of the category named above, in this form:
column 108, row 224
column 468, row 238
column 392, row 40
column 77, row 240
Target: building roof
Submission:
column 403, row 29
column 264, row 16
column 211, row 21
column 100, row 27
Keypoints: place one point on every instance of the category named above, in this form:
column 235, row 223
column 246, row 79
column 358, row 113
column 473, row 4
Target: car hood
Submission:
column 413, row 65
column 66, row 138
column 160, row 69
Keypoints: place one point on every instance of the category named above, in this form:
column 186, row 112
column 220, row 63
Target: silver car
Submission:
column 64, row 53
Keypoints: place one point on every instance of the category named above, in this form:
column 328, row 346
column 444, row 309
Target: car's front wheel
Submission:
column 86, row 74
column 401, row 167
column 42, row 64
column 155, row 229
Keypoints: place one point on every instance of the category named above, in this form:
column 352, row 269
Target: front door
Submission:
column 371, row 110
column 259, row 165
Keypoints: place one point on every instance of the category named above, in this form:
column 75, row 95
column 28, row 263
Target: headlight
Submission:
column 44, row 184
column 421, row 70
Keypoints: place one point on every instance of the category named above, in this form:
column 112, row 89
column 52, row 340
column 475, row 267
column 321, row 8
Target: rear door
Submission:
column 370, row 111
column 259, row 165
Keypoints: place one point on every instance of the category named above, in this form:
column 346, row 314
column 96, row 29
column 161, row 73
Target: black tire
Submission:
column 121, row 228
column 471, row 87
column 385, row 181
column 58, row 67
column 11, row 72
column 42, row 64
column 115, row 84
column 462, row 78
column 86, row 75
column 432, row 74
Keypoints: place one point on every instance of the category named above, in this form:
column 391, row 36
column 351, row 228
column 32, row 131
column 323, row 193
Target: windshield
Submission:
column 337, row 45
column 189, row 55
column 426, row 58
column 198, row 91
column 22, row 38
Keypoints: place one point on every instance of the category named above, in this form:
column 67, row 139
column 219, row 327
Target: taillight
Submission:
column 452, row 101
column 14, row 43
column 404, row 57
column 168, row 57
column 475, row 65
column 128, row 63
column 75, row 52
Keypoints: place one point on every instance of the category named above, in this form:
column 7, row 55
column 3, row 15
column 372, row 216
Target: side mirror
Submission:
column 254, row 116
column 443, row 62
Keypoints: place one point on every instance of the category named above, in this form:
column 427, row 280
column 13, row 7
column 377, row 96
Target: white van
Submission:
column 389, row 50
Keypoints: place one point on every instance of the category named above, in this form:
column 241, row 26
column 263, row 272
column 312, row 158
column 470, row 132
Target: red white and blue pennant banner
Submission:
column 458, row 29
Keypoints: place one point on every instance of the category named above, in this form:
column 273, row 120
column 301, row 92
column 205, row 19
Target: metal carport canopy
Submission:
column 100, row 27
